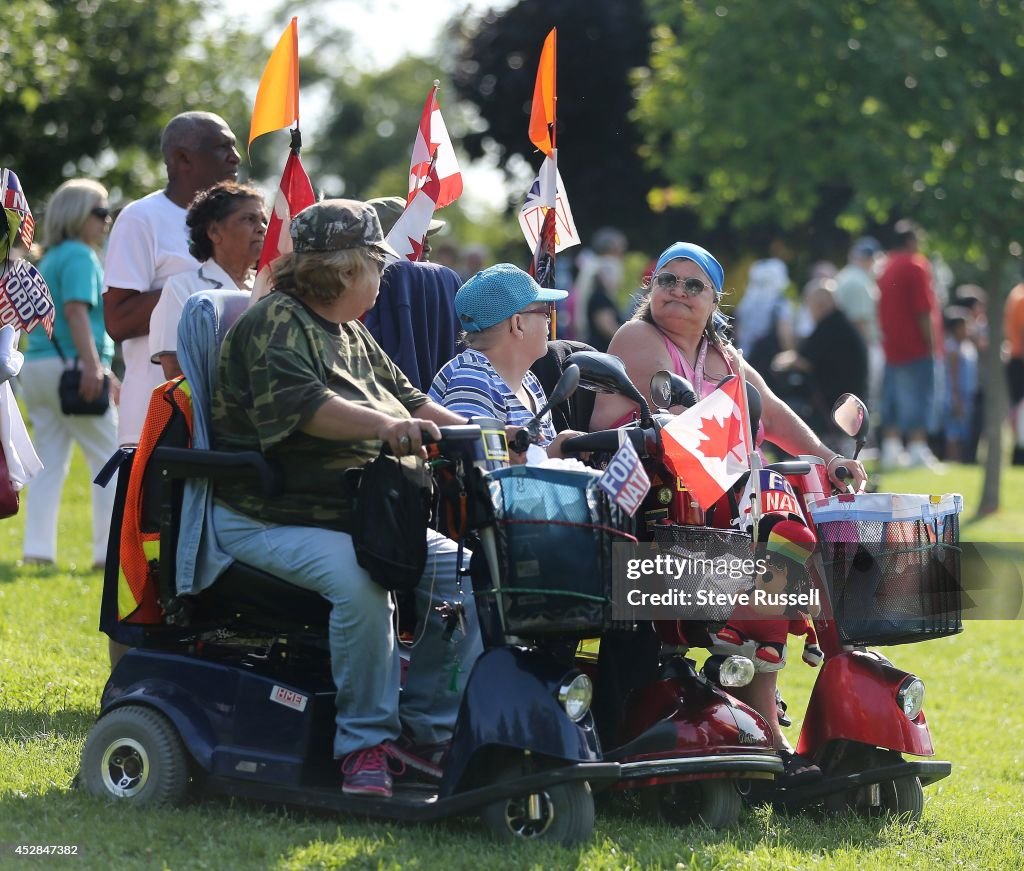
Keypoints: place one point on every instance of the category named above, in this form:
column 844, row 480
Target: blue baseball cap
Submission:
column 703, row 258
column 496, row 293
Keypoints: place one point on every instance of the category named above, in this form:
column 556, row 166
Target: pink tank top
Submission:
column 695, row 375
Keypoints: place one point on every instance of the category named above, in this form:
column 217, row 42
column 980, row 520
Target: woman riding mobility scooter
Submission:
column 232, row 690
column 887, row 570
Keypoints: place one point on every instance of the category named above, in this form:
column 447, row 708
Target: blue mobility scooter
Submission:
column 230, row 690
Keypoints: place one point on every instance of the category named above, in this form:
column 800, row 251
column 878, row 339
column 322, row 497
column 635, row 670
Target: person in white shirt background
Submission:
column 149, row 244
column 227, row 225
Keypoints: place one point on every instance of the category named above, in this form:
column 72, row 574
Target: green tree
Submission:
column 85, row 87
column 363, row 148
column 599, row 43
column 757, row 111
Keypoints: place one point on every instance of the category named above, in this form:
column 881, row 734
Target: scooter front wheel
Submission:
column 562, row 813
column 902, row 798
column 716, row 803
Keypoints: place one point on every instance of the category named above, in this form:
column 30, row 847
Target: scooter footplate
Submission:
column 415, row 803
column 667, row 769
column 928, row 771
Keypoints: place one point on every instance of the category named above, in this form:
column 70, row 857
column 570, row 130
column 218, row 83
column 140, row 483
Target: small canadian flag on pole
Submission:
column 705, row 445
column 432, row 152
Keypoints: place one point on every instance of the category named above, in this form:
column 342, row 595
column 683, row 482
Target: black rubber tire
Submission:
column 903, row 798
column 715, row 803
column 134, row 754
column 567, row 813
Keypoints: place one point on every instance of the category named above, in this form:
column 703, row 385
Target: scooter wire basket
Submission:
column 554, row 530
column 892, row 565
column 706, row 550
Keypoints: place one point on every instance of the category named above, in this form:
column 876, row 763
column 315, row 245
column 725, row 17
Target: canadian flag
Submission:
column 433, row 145
column 295, row 194
column 705, row 445
column 407, row 236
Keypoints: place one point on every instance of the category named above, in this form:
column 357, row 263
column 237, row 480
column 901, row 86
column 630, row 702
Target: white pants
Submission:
column 52, row 435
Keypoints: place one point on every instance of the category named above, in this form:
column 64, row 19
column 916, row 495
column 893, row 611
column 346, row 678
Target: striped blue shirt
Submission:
column 469, row 385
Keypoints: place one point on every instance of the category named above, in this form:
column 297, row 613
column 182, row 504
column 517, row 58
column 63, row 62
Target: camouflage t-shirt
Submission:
column 278, row 364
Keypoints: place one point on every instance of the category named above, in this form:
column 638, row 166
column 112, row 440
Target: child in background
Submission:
column 961, row 382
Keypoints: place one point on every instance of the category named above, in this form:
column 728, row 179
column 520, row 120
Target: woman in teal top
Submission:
column 75, row 223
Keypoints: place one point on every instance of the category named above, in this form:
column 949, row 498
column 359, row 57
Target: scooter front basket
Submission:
column 554, row 530
column 892, row 565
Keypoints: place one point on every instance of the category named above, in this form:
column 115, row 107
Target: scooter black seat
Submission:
column 247, row 597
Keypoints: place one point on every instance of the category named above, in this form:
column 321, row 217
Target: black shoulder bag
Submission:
column 71, row 401
column 391, row 518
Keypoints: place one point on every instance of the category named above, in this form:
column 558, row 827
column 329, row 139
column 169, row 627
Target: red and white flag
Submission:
column 294, row 194
column 433, row 146
column 705, row 445
column 410, row 230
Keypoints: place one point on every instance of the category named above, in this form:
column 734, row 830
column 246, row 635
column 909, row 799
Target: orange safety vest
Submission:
column 138, row 582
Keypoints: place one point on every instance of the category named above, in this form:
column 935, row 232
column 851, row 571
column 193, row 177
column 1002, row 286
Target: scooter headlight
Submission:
column 910, row 696
column 575, row 695
column 729, row 671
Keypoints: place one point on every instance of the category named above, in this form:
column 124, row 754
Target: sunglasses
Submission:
column 690, row 286
column 100, row 212
column 546, row 311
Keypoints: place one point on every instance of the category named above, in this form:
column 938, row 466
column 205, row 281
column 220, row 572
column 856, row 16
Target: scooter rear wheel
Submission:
column 716, row 803
column 562, row 813
column 134, row 754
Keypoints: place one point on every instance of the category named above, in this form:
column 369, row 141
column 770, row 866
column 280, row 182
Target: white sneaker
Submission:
column 921, row 455
column 893, row 456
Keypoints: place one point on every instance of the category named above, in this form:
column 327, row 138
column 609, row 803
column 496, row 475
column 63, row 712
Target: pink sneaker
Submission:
column 366, row 772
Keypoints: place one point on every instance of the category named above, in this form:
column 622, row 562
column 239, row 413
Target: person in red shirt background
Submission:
column 1013, row 330
column 910, row 321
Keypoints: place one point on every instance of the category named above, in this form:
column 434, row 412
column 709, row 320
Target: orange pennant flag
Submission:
column 543, row 113
column 277, row 99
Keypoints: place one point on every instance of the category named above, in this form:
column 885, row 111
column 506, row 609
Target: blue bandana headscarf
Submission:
column 702, row 257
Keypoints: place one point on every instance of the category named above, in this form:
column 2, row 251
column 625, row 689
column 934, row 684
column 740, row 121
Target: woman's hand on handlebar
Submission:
column 405, row 437
column 847, row 475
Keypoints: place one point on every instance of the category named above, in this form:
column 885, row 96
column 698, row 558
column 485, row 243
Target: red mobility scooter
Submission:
column 888, row 573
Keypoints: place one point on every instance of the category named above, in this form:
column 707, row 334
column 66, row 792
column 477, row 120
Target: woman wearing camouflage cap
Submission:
column 302, row 381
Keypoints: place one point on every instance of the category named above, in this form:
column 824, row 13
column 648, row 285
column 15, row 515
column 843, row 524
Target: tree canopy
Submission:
column 757, row 112
column 88, row 85
column 599, row 43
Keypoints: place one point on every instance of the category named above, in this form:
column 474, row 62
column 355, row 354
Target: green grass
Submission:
column 53, row 664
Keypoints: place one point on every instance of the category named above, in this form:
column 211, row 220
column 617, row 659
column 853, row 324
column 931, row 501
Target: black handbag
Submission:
column 391, row 518
column 71, row 401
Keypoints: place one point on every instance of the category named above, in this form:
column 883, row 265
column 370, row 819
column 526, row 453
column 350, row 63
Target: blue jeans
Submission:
column 908, row 396
column 364, row 651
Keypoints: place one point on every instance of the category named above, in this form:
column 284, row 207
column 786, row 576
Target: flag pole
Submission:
column 752, row 455
column 432, row 99
column 296, row 142
column 554, row 161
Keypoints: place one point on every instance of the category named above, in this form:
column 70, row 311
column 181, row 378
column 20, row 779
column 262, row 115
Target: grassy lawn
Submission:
column 53, row 664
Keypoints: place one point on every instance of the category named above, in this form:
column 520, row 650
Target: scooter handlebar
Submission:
column 605, row 441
